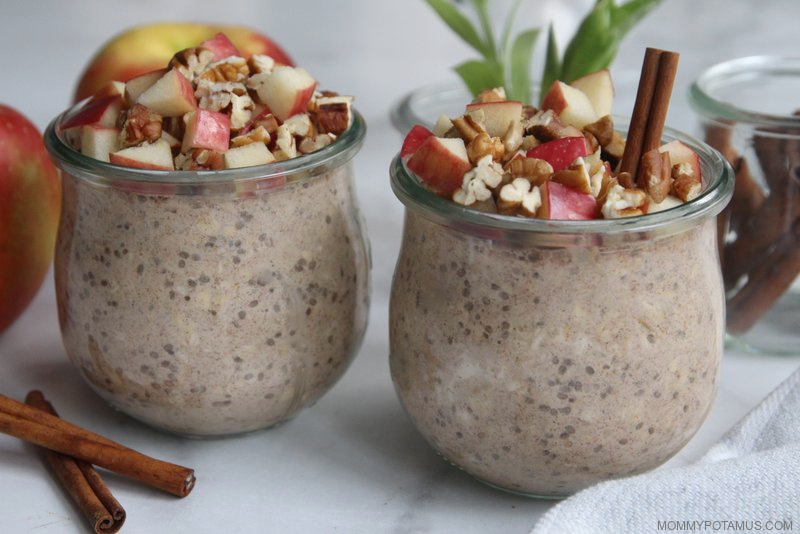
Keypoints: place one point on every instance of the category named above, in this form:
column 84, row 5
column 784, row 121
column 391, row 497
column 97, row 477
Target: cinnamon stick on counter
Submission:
column 650, row 109
column 82, row 482
column 35, row 426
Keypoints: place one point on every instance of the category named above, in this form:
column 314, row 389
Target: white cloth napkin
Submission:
column 750, row 477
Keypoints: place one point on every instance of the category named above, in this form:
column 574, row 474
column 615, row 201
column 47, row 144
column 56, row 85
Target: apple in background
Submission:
column 498, row 115
column 560, row 153
column 570, row 104
column 171, row 96
column 154, row 156
column 565, row 203
column 149, row 47
column 286, row 91
column 599, row 89
column 30, row 205
column 441, row 163
column 206, row 129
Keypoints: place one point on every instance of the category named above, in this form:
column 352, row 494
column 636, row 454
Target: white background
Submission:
column 352, row 463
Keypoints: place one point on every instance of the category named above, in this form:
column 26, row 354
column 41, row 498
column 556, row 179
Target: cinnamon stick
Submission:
column 40, row 428
column 82, row 482
column 650, row 109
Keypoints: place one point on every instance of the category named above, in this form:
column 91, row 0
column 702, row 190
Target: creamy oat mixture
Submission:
column 543, row 370
column 211, row 315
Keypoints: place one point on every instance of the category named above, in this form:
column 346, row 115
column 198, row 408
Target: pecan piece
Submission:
column 333, row 114
column 536, row 170
column 483, row 145
column 656, row 174
column 139, row 123
column 191, row 61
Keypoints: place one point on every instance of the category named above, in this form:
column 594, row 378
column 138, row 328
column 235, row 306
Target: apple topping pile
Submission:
column 209, row 109
column 561, row 161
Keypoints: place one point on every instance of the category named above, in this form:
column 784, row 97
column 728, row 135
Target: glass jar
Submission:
column 212, row 303
column 748, row 109
column 543, row 356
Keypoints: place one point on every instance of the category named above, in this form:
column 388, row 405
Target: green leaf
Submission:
column 520, row 63
column 599, row 35
column 552, row 65
column 460, row 25
column 508, row 26
column 480, row 74
column 482, row 7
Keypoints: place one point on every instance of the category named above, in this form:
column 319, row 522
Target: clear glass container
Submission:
column 748, row 110
column 543, row 356
column 212, row 303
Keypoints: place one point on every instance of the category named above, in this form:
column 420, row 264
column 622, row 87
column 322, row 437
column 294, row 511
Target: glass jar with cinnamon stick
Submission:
column 749, row 110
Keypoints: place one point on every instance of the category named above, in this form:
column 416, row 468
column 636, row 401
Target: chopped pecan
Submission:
column 482, row 146
column 602, row 129
column 258, row 134
column 230, row 69
column 616, row 147
column 535, row 170
column 622, row 202
column 139, row 123
column 576, row 176
column 686, row 186
column 260, row 63
column 285, row 144
column 199, row 159
column 312, row 144
column 468, row 127
column 655, row 174
column 479, row 182
column 520, row 197
column 333, row 114
column 192, row 61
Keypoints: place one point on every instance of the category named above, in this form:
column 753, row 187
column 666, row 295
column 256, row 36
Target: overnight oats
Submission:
column 550, row 331
column 212, row 272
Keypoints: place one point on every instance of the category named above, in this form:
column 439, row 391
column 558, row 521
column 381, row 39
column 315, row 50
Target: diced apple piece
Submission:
column 681, row 154
column 248, row 155
column 156, row 156
column 668, row 203
column 170, row 96
column 442, row 126
column 560, row 202
column 103, row 111
column 286, row 91
column 561, row 153
column 98, row 141
column 441, row 163
column 414, row 138
column 599, row 89
column 498, row 115
column 139, row 84
column 206, row 129
column 570, row 104
column 222, row 46
column 112, row 88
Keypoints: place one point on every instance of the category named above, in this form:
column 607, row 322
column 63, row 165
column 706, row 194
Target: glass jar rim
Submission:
column 702, row 89
column 716, row 194
column 335, row 154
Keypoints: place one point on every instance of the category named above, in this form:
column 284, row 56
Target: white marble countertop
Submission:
column 353, row 462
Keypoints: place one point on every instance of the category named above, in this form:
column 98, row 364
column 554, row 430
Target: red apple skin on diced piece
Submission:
column 498, row 115
column 287, row 90
column 570, row 104
column 560, row 202
column 599, row 89
column 206, row 129
column 103, row 111
column 560, row 153
column 171, row 96
column 414, row 139
column 441, row 163
column 221, row 46
column 155, row 156
column 112, row 88
column 680, row 153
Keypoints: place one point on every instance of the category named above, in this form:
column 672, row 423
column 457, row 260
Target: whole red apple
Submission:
column 30, row 205
column 148, row 47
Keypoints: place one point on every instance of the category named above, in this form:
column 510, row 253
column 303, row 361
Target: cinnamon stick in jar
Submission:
column 83, row 484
